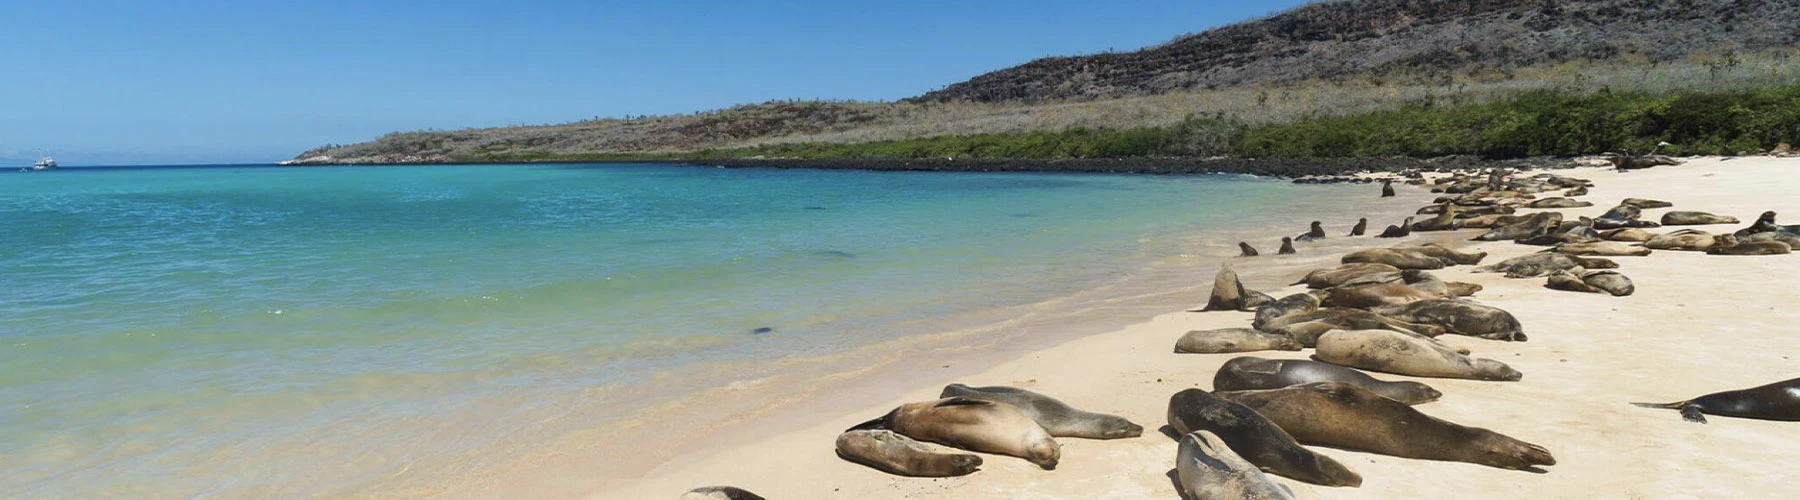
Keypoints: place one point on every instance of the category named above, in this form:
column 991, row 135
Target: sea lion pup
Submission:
column 1777, row 401
column 1544, row 263
column 1628, row 234
column 1646, row 203
column 1207, row 468
column 1538, row 223
column 1400, row 258
column 1362, row 225
column 1250, row 374
column 1460, row 317
column 1346, row 416
column 1327, row 278
column 1682, row 218
column 1401, row 231
column 1603, row 249
column 1610, row 281
column 1686, row 240
column 1230, row 340
column 1056, row 417
column 1255, row 438
column 1387, row 188
column 1447, row 254
column 1580, row 191
column 974, row 425
column 719, row 493
column 1725, row 244
column 1445, row 221
column 1401, row 354
column 1248, row 251
column 1287, row 246
column 885, row 451
column 1316, row 233
column 1296, row 303
column 1558, row 203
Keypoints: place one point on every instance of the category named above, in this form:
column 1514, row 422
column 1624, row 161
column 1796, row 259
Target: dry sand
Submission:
column 1698, row 324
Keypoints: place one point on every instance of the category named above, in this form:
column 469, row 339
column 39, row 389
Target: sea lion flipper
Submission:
column 882, row 422
column 1692, row 413
column 959, row 401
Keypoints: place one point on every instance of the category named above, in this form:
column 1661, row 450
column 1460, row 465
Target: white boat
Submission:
column 47, row 163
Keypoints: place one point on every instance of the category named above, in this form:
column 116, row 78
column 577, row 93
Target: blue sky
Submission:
column 173, row 81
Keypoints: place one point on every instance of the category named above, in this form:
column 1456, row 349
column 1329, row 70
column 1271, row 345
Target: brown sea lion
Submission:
column 1387, row 188
column 1558, row 203
column 1056, row 417
column 1569, row 281
column 1376, row 295
column 1350, row 417
column 1778, row 401
column 1296, row 303
column 1580, row 191
column 1492, row 221
column 1602, row 248
column 1227, row 294
column 1307, row 333
column 1646, row 203
column 1327, row 278
column 1544, row 263
column 1540, row 222
column 1316, row 233
column 1401, row 231
column 1622, row 212
column 1249, row 374
column 1686, row 240
column 1287, row 246
column 1725, row 244
column 1207, row 468
column 1362, row 225
column 1356, row 319
column 974, row 425
column 1612, row 282
column 1445, row 221
column 1400, row 354
column 1792, row 240
column 1460, row 317
column 886, row 451
column 1461, row 289
column 1627, row 234
column 1230, row 340
column 1255, row 438
column 1766, row 224
column 1695, row 219
column 1246, row 249
column 1447, row 254
column 1400, row 258
column 719, row 493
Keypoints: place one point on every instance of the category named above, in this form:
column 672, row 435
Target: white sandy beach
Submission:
column 1698, row 324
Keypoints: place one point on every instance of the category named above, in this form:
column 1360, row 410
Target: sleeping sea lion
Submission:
column 1350, row 417
column 974, row 425
column 1371, row 295
column 1353, row 319
column 885, row 451
column 1460, row 317
column 719, row 493
column 1538, row 223
column 1646, row 203
column 1255, row 438
column 1447, row 254
column 1777, row 401
column 1558, row 203
column 1544, row 263
column 1628, row 234
column 1725, row 244
column 1400, row 258
column 1207, row 468
column 1602, row 248
column 1327, row 278
column 1400, row 354
column 1296, row 303
column 1056, row 417
column 1248, row 374
column 1230, row 340
column 1695, row 219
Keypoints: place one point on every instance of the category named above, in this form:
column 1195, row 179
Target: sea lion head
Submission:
column 1417, row 393
column 1045, row 452
column 1115, row 427
column 1495, row 370
column 1507, row 453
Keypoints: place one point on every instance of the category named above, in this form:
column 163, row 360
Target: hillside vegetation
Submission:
column 1613, row 57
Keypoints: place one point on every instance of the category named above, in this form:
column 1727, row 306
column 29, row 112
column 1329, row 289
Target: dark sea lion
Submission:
column 719, row 493
column 1460, row 317
column 1401, row 231
column 1230, row 340
column 1400, row 258
column 974, row 425
column 1354, row 319
column 1327, row 278
column 1287, row 246
column 1766, row 224
column 1461, row 289
column 1248, row 251
column 1350, row 417
column 1645, row 203
column 1447, row 254
column 1387, row 188
column 1602, row 249
column 1580, row 191
column 1612, row 282
column 1400, row 354
column 1307, row 333
column 1570, row 282
column 1445, row 221
column 1777, row 401
column 1792, row 240
column 1227, row 294
column 1622, row 212
column 1056, row 417
column 1558, row 203
column 1255, row 438
column 1362, row 225
column 1628, row 234
column 1538, row 223
column 1695, row 219
column 1725, row 244
column 1296, row 303
column 1207, row 468
column 1684, row 240
column 1544, row 263
column 1605, row 223
column 1316, row 233
column 1249, row 374
column 886, row 451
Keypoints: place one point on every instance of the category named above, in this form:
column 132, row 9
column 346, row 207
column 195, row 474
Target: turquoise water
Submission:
column 251, row 331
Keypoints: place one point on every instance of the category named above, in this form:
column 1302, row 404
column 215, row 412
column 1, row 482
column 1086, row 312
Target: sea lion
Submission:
column 1387, row 188
column 1544, row 263
column 1249, row 374
column 1766, row 224
column 1602, row 248
column 1056, row 417
column 1792, row 240
column 1400, row 354
column 1327, row 278
column 1227, row 294
column 1605, row 223
column 1685, row 240
column 1492, row 221
column 885, row 451
column 1248, row 251
column 1622, row 212
column 1207, row 468
column 1460, row 317
column 1695, row 219
column 1628, row 234
column 1558, row 203
column 1296, row 303
column 1350, row 417
column 1538, row 223
column 1777, row 401
column 1580, row 191
column 1725, row 244
column 1287, row 246
column 1353, row 319
column 1445, row 221
column 1461, row 289
column 1255, row 438
column 1230, row 340
column 719, row 493
column 1646, row 203
column 1362, row 225
column 1401, row 231
column 1610, row 281
column 1307, row 333
column 1403, row 258
column 1569, row 281
column 1371, row 295
column 1316, row 233
column 1446, row 253
column 974, row 425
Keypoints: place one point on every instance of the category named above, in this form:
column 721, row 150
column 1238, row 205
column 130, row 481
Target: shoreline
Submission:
column 1129, row 372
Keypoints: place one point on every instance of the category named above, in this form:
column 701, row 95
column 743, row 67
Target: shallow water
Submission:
column 260, row 331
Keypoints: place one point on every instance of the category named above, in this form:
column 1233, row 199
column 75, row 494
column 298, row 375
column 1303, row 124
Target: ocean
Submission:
column 235, row 332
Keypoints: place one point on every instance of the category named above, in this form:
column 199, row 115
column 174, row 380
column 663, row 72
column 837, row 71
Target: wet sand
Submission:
column 1697, row 324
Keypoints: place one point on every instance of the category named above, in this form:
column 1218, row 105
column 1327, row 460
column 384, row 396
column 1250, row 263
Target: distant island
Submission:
column 1341, row 79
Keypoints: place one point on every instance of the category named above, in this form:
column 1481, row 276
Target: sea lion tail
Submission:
column 1662, row 406
column 1689, row 411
